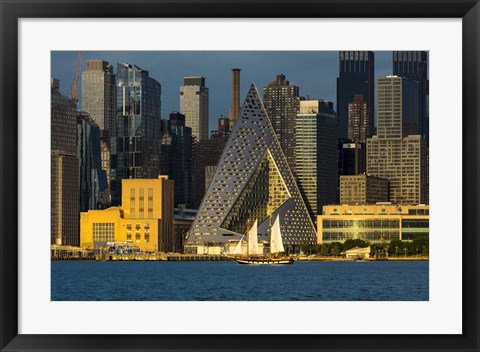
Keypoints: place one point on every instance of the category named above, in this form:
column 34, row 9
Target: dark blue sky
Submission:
column 315, row 72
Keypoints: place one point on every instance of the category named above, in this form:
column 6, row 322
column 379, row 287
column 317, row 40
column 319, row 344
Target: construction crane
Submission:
column 76, row 79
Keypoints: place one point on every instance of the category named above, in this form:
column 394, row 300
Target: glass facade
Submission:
column 373, row 223
column 136, row 147
column 93, row 180
column 356, row 76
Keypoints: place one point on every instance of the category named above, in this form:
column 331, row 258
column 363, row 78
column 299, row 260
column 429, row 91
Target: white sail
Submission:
column 238, row 248
column 252, row 240
column 276, row 244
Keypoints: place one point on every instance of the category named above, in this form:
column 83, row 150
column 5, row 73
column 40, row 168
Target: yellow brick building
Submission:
column 144, row 220
column 382, row 222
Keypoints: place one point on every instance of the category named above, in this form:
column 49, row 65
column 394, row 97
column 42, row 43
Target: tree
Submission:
column 352, row 243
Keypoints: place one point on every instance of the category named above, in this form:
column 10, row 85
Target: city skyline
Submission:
column 314, row 72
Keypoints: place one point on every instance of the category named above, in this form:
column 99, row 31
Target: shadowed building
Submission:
column 64, row 169
column 92, row 178
column 206, row 156
column 99, row 100
column 136, row 151
column 177, row 158
column 282, row 103
column 356, row 76
column 413, row 65
column 252, row 181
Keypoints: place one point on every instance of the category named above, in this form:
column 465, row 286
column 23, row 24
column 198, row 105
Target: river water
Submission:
column 229, row 281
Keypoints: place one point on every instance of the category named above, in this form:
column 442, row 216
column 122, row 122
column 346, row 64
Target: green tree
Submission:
column 352, row 243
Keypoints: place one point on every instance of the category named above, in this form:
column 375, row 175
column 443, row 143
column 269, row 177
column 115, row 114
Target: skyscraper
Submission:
column 315, row 152
column 99, row 94
column 93, row 180
column 393, row 155
column 413, row 65
column 136, row 151
column 252, row 182
column 358, row 119
column 64, row 169
column 356, row 76
column 99, row 100
column 194, row 105
column 177, row 158
column 282, row 103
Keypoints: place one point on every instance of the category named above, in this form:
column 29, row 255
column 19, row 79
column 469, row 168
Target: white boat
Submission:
column 253, row 253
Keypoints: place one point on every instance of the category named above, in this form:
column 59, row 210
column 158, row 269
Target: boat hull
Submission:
column 264, row 261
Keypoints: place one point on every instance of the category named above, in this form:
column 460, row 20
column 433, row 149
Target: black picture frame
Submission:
column 11, row 11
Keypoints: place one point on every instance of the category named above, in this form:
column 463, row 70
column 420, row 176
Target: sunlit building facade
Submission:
column 391, row 154
column 379, row 223
column 363, row 189
column 144, row 219
column 194, row 105
column 315, row 152
column 252, row 182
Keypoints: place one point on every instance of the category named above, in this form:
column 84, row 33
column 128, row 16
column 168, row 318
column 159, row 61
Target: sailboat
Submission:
column 276, row 246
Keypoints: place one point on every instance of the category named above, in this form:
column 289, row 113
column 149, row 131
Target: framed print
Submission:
column 156, row 266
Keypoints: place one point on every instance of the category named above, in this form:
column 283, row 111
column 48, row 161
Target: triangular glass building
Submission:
column 252, row 181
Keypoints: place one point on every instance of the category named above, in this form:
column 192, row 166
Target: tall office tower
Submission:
column 358, row 119
column 282, row 102
column 413, row 65
column 235, row 109
column 252, row 182
column 391, row 154
column 356, row 77
column 315, row 152
column 99, row 100
column 395, row 110
column 177, row 158
column 194, row 105
column 136, row 151
column 207, row 153
column 64, row 167
column 93, row 180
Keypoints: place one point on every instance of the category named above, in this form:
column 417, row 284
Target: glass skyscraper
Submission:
column 356, row 76
column 136, row 146
column 413, row 65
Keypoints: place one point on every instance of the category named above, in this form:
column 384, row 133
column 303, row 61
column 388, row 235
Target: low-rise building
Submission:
column 144, row 219
column 379, row 223
column 363, row 189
